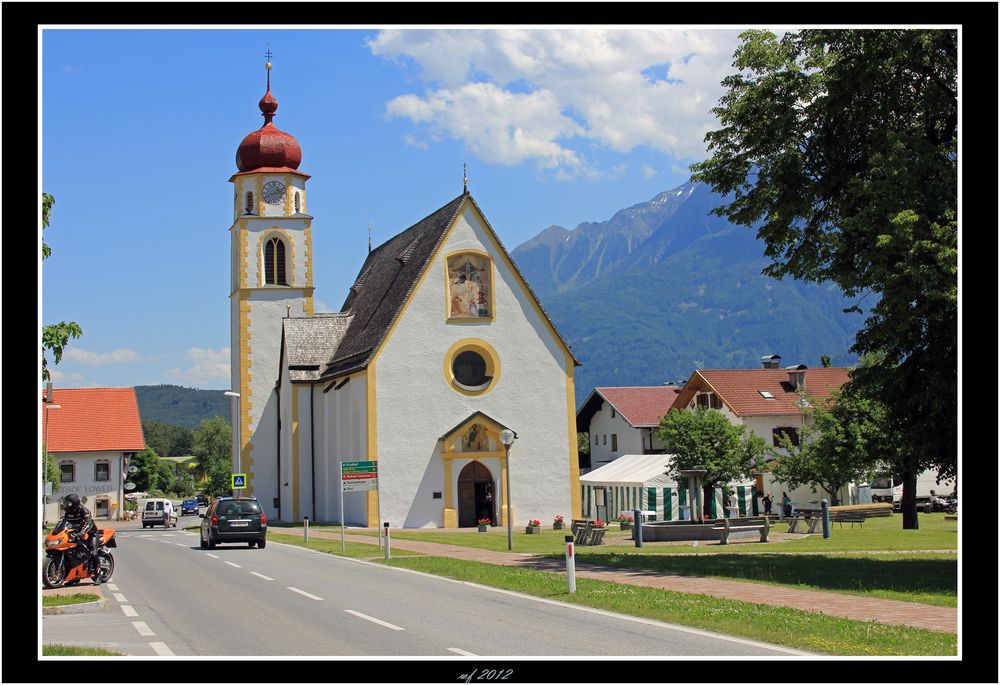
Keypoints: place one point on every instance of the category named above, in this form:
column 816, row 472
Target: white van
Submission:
column 153, row 515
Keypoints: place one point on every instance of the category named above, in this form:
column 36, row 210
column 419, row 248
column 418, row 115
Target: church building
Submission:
column 439, row 346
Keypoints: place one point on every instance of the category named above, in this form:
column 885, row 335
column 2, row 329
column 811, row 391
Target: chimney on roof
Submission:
column 797, row 376
column 48, row 392
column 770, row 361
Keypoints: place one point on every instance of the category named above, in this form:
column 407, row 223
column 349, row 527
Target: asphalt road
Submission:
column 169, row 597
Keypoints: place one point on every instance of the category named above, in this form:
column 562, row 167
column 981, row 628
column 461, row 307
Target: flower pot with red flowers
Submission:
column 625, row 521
column 557, row 523
column 484, row 525
column 534, row 527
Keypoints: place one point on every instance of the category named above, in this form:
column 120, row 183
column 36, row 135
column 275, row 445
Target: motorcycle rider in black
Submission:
column 79, row 518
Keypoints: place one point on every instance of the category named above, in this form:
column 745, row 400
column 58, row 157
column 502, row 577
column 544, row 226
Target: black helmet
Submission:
column 72, row 502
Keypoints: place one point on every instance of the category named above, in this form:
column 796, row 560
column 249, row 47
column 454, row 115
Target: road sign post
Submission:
column 238, row 481
column 386, row 524
column 356, row 476
column 570, row 565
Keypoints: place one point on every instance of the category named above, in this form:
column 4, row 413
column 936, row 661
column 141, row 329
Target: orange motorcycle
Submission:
column 67, row 557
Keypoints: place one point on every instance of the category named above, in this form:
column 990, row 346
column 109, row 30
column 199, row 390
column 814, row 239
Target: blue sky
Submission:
column 140, row 127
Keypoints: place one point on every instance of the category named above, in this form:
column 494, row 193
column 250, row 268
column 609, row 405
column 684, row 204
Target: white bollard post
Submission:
column 386, row 524
column 305, row 530
column 570, row 565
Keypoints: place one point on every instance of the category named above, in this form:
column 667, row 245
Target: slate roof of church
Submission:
column 384, row 283
column 311, row 343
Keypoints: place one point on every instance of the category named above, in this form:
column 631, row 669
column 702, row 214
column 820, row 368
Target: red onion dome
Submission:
column 267, row 146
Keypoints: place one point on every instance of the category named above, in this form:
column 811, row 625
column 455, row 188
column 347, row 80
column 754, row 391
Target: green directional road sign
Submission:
column 360, row 467
column 239, row 481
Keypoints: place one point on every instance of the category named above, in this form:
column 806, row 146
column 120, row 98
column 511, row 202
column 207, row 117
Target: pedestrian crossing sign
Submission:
column 239, row 481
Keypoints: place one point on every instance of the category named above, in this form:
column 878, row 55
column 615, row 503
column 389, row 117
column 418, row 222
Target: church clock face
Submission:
column 274, row 192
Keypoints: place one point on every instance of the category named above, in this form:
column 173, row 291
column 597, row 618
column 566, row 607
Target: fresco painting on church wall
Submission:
column 476, row 439
column 469, row 286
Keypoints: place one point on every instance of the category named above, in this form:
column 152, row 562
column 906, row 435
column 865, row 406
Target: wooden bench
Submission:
column 763, row 527
column 586, row 534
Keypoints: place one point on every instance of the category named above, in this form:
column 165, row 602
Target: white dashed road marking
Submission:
column 211, row 555
column 305, row 594
column 143, row 629
column 119, row 597
column 129, row 611
column 260, row 575
column 232, row 564
column 461, row 651
column 180, row 544
column 161, row 649
column 372, row 619
column 112, row 587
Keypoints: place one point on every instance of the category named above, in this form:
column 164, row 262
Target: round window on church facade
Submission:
column 471, row 367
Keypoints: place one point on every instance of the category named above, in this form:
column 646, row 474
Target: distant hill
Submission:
column 664, row 287
column 180, row 406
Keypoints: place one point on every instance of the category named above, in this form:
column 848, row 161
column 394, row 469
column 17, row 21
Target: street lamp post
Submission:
column 45, row 465
column 507, row 437
column 236, row 422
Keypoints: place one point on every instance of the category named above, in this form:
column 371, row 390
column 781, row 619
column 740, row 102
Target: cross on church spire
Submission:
column 465, row 178
column 267, row 65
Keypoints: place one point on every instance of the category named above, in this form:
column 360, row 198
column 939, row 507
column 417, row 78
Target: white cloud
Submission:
column 119, row 356
column 648, row 171
column 413, row 141
column 516, row 94
column 65, row 379
column 208, row 366
column 497, row 125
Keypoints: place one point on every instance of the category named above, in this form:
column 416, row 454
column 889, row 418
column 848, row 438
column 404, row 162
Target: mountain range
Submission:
column 665, row 287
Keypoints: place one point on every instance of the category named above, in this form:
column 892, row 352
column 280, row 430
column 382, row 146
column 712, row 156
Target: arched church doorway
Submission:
column 476, row 496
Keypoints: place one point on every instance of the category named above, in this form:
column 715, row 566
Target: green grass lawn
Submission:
column 63, row 600
column 923, row 578
column 878, row 534
column 353, row 549
column 66, row 650
column 776, row 625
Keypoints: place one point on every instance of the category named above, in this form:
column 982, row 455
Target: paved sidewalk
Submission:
column 891, row 612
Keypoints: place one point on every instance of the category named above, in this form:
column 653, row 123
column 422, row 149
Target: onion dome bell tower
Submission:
column 271, row 278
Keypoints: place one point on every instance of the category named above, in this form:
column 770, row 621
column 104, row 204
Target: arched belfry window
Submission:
column 274, row 262
column 249, row 209
column 297, row 202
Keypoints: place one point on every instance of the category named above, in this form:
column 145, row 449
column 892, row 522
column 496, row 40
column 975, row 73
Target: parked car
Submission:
column 234, row 519
column 152, row 513
column 189, row 506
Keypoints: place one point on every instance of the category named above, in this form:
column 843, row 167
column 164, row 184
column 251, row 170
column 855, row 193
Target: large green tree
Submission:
column 843, row 441
column 841, row 148
column 55, row 337
column 213, row 447
column 704, row 438
column 167, row 439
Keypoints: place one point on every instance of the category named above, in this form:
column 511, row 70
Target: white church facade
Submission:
column 439, row 345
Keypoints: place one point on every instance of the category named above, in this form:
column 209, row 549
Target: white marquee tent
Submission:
column 640, row 481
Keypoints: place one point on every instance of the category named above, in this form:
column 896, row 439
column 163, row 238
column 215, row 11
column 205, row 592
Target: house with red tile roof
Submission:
column 91, row 435
column 623, row 421
column 769, row 401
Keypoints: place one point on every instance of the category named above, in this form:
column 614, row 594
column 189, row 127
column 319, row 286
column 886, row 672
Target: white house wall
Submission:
column 602, row 427
column 84, row 483
column 416, row 406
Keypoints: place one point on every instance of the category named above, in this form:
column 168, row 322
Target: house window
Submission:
column 67, row 472
column 249, row 207
column 613, row 412
column 604, row 439
column 791, row 433
column 702, row 401
column 614, row 442
column 714, row 402
column 102, row 471
column 274, row 262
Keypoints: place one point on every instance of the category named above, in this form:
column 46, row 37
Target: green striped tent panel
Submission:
column 754, row 507
column 583, row 499
column 682, row 499
column 652, row 503
column 744, row 499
